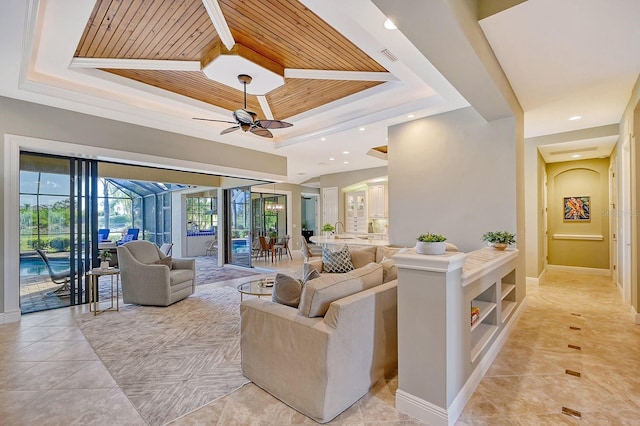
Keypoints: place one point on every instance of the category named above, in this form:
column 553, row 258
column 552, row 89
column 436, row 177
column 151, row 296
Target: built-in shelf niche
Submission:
column 486, row 325
column 507, row 295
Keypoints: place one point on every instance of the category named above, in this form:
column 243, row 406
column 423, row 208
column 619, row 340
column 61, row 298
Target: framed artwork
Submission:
column 577, row 209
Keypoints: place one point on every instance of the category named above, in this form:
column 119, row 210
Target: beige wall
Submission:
column 149, row 174
column 629, row 126
column 534, row 191
column 452, row 174
column 578, row 178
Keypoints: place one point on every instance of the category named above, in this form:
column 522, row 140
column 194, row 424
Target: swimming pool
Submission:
column 34, row 265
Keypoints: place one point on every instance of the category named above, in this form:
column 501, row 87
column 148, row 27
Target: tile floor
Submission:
column 49, row 375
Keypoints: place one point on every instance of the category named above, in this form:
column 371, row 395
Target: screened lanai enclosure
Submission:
column 73, row 209
column 63, row 204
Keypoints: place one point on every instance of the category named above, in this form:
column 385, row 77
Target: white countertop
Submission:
column 350, row 240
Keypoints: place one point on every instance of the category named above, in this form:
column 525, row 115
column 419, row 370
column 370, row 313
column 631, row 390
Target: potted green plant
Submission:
column 105, row 256
column 499, row 239
column 327, row 228
column 431, row 244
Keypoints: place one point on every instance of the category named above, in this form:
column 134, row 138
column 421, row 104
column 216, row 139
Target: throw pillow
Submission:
column 312, row 274
column 164, row 261
column 389, row 270
column 286, row 290
column 336, row 261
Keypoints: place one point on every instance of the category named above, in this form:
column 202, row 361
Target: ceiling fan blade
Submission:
column 257, row 130
column 229, row 130
column 273, row 124
column 218, row 121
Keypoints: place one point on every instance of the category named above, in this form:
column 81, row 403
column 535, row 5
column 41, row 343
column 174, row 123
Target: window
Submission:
column 202, row 214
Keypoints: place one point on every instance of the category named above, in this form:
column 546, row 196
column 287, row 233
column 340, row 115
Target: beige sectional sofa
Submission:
column 324, row 355
column 360, row 256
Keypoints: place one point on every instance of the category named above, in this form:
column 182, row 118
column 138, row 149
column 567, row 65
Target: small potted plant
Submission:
column 327, row 229
column 431, row 244
column 499, row 239
column 105, row 255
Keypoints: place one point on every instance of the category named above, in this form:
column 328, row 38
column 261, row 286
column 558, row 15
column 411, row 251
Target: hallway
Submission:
column 574, row 348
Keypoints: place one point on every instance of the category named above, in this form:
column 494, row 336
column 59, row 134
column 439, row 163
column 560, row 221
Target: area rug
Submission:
column 207, row 271
column 171, row 361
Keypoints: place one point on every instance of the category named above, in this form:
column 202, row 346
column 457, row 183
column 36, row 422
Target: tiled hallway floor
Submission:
column 49, row 375
column 574, row 347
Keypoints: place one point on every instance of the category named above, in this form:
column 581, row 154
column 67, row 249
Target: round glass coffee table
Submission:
column 260, row 287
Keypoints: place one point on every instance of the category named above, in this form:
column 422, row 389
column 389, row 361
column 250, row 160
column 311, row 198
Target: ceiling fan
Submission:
column 246, row 119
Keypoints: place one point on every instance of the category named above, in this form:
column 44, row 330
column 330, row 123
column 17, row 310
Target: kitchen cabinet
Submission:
column 378, row 201
column 356, row 212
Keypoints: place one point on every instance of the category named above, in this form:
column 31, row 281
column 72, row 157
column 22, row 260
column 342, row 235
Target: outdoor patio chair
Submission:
column 62, row 277
column 166, row 248
column 212, row 247
column 103, row 234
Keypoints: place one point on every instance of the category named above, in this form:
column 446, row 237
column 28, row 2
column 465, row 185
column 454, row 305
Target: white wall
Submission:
column 452, row 174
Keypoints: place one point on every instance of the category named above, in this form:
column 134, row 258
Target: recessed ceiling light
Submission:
column 388, row 24
column 361, row 129
column 575, row 117
column 576, row 156
column 331, row 159
column 345, row 152
column 346, row 162
column 410, row 116
column 323, row 139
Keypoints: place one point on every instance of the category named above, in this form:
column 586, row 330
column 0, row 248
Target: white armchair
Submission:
column 151, row 278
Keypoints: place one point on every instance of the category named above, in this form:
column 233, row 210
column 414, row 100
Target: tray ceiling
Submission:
column 278, row 35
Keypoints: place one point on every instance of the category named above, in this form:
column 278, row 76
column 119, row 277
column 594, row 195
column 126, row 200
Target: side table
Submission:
column 94, row 275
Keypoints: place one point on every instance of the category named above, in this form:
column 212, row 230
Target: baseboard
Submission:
column 580, row 270
column 635, row 314
column 422, row 410
column 531, row 281
column 438, row 416
column 7, row 317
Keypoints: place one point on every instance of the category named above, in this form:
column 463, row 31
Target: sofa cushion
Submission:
column 180, row 275
column 363, row 255
column 319, row 293
column 286, row 290
column 336, row 261
column 144, row 251
column 387, row 252
column 389, row 270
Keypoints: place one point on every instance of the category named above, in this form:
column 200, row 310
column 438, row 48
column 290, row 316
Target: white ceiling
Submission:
column 561, row 59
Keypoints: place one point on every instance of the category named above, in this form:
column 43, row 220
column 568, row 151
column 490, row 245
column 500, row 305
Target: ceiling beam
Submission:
column 338, row 75
column 219, row 22
column 135, row 64
column 266, row 109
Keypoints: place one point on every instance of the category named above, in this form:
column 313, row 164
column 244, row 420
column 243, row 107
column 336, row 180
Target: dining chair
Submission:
column 265, row 247
column 282, row 246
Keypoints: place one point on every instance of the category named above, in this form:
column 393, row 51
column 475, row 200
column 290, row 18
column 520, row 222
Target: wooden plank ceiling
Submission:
column 285, row 32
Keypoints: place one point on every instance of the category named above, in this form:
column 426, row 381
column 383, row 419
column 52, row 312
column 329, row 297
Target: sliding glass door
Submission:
column 57, row 222
column 238, row 229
